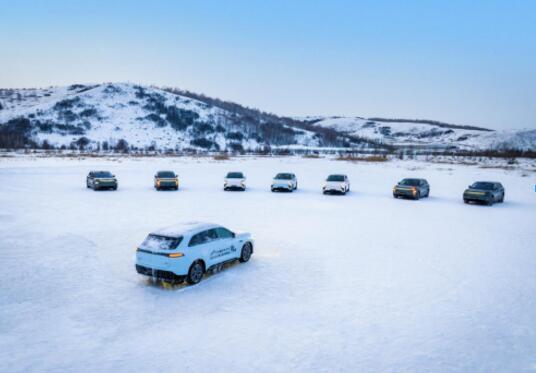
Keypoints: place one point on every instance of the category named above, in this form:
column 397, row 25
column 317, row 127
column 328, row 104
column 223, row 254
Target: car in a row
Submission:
column 487, row 192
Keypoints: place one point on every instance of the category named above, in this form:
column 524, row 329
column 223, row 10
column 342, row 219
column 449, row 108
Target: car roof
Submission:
column 182, row 229
column 337, row 175
column 99, row 171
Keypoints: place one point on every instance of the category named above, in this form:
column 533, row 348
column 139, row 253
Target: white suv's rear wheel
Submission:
column 195, row 273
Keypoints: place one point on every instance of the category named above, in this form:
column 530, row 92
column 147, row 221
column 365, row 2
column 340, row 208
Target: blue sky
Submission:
column 469, row 62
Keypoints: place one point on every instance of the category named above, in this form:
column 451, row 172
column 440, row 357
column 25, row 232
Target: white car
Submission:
column 284, row 181
column 234, row 181
column 187, row 251
column 336, row 184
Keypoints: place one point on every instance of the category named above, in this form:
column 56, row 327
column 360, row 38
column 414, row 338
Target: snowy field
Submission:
column 356, row 283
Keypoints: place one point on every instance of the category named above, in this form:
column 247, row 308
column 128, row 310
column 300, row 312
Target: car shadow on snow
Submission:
column 165, row 285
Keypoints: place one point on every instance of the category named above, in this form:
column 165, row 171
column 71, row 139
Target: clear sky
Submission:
column 468, row 62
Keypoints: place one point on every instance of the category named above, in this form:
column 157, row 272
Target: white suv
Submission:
column 284, row 181
column 187, row 251
column 336, row 184
column 234, row 181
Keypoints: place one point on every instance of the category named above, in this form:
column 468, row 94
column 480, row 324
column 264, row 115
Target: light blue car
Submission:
column 187, row 251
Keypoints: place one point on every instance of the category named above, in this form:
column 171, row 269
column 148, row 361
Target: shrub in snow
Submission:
column 180, row 119
column 68, row 103
column 205, row 144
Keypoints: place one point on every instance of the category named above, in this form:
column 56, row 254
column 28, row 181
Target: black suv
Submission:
column 487, row 192
column 101, row 180
column 412, row 188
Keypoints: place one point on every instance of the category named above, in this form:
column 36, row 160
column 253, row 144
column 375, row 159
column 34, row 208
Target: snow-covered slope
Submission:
column 144, row 117
column 428, row 133
column 124, row 115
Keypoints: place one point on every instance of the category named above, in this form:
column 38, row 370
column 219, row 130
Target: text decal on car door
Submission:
column 222, row 252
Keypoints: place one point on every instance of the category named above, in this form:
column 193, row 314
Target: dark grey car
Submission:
column 101, row 180
column 412, row 188
column 487, row 192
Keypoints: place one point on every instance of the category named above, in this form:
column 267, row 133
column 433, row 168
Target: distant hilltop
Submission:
column 129, row 116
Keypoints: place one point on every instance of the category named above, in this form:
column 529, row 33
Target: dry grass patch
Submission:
column 221, row 157
column 371, row 158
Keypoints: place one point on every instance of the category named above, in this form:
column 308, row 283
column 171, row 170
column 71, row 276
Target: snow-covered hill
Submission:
column 124, row 115
column 422, row 133
column 106, row 115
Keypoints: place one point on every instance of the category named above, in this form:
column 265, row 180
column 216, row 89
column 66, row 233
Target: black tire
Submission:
column 246, row 252
column 296, row 187
column 465, row 201
column 114, row 188
column 324, row 192
column 418, row 196
column 489, row 202
column 501, row 200
column 195, row 273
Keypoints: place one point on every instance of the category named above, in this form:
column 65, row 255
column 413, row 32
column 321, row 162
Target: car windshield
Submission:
column 102, row 174
column 283, row 176
column 235, row 175
column 155, row 242
column 482, row 185
column 410, row 182
column 170, row 174
column 335, row 178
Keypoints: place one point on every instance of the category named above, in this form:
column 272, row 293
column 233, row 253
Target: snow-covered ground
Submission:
column 358, row 283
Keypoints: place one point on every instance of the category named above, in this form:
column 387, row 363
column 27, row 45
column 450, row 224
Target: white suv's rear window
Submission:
column 154, row 242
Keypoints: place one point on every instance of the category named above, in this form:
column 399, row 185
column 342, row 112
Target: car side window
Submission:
column 224, row 233
column 211, row 235
column 198, row 239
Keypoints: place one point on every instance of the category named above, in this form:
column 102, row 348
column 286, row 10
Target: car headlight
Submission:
column 289, row 184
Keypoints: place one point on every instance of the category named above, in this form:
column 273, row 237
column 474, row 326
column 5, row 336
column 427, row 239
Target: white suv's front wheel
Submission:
column 246, row 252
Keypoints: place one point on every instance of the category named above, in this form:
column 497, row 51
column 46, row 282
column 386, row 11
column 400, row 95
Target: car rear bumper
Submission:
column 159, row 274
